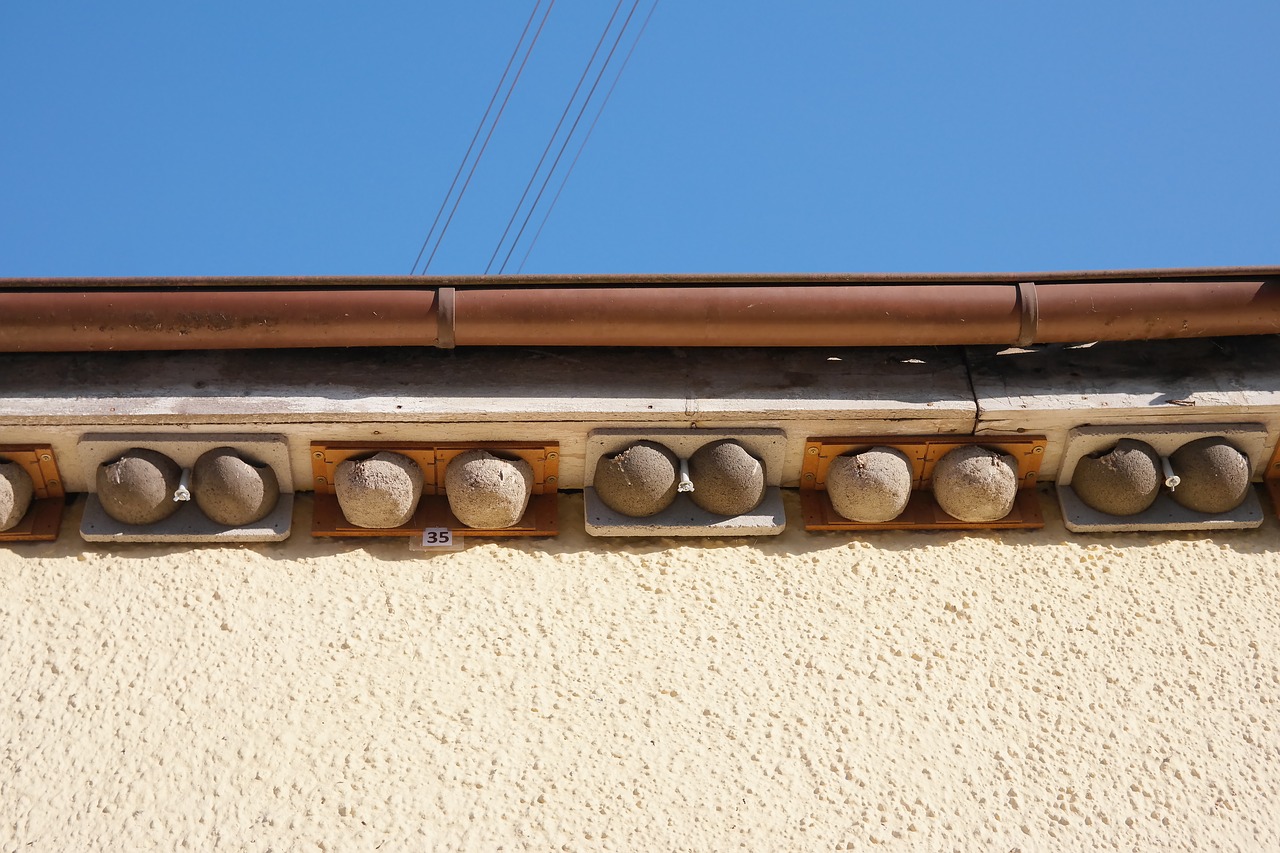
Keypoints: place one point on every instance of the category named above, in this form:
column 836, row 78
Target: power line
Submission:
column 565, row 144
column 488, row 136
column 546, row 216
column 484, row 118
column 536, row 169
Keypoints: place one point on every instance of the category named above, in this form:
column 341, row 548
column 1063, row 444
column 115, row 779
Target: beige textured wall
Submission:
column 1030, row 690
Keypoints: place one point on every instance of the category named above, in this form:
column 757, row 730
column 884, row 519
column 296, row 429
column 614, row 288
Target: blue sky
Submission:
column 291, row 138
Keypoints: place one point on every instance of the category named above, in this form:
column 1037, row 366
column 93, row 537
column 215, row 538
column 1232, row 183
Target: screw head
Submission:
column 808, row 476
column 553, row 455
column 45, row 457
column 812, row 451
column 318, row 454
column 51, row 482
column 321, row 480
column 551, row 479
column 1037, row 450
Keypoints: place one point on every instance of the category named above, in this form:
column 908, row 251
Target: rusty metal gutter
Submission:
column 63, row 315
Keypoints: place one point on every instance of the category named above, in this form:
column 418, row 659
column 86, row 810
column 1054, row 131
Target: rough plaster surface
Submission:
column 1024, row 690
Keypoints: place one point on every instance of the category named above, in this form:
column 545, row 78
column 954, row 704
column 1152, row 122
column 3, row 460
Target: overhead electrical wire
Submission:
column 461, row 166
column 587, row 138
column 635, row 5
column 479, row 127
column 555, row 133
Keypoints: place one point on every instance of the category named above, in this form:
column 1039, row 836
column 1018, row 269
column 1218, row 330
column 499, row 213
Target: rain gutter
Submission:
column 99, row 314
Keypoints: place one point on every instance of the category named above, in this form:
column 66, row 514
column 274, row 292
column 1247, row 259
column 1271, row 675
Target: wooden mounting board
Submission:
column 540, row 517
column 1271, row 479
column 922, row 511
column 43, row 518
column 433, row 458
column 924, row 451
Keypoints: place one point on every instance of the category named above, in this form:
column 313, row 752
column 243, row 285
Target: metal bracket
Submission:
column 44, row 517
column 1271, row 479
column 445, row 302
column 1029, row 306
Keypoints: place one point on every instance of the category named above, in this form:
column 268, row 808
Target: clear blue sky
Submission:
column 282, row 138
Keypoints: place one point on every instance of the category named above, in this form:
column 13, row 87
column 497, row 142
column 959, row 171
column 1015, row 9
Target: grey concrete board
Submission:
column 480, row 384
column 1164, row 514
column 1051, row 389
column 899, row 382
column 1251, row 439
column 685, row 518
column 184, row 449
column 481, row 394
column 767, row 445
column 188, row 524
